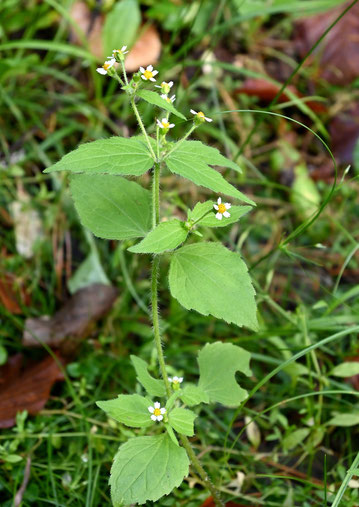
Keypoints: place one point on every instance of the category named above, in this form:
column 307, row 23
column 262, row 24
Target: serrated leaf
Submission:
column 129, row 409
column 121, row 25
column 347, row 369
column 192, row 395
column 112, row 207
column 116, row 155
column 147, row 468
column 154, row 387
column 349, row 419
column 156, row 100
column 186, row 163
column 218, row 363
column 208, row 154
column 166, row 236
column 210, row 219
column 209, row 278
column 181, row 420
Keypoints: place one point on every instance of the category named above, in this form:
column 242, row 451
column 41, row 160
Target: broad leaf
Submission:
column 192, row 395
column 147, row 468
column 295, row 438
column 349, row 419
column 156, row 100
column 154, row 387
column 166, row 236
column 182, row 421
column 206, row 208
column 347, row 369
column 185, row 162
column 121, row 25
column 116, row 155
column 112, row 207
column 129, row 409
column 218, row 363
column 208, row 154
column 209, row 278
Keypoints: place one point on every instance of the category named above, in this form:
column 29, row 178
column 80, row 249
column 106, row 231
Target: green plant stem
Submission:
column 201, row 471
column 157, row 335
column 178, row 144
column 142, row 127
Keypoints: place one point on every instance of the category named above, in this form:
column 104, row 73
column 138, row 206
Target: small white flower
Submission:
column 175, row 380
column 157, row 412
column 222, row 209
column 201, row 116
column 168, row 99
column 165, row 87
column 106, row 66
column 119, row 52
column 165, row 124
column 148, row 73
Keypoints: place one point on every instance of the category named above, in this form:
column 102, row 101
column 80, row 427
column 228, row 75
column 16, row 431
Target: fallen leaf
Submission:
column 344, row 132
column 339, row 51
column 29, row 390
column 267, row 91
column 13, row 293
column 146, row 50
column 11, row 369
column 209, row 502
column 73, row 322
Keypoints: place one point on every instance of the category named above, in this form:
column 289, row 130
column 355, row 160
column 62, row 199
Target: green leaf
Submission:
column 166, row 236
column 210, row 220
column 218, row 363
column 147, row 468
column 182, row 421
column 112, row 207
column 347, row 369
column 192, row 395
column 121, row 25
column 156, row 100
column 188, row 164
column 350, row 419
column 116, row 155
column 154, row 387
column 129, row 409
column 208, row 154
column 295, row 438
column 209, row 278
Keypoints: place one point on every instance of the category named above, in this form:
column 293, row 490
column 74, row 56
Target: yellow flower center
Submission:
column 148, row 74
column 157, row 412
column 106, row 65
column 169, row 100
column 163, row 83
column 165, row 124
column 200, row 114
column 221, row 208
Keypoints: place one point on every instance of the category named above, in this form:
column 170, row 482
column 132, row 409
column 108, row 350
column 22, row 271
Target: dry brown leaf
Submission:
column 339, row 51
column 12, row 293
column 73, row 322
column 146, row 51
column 344, row 132
column 28, row 391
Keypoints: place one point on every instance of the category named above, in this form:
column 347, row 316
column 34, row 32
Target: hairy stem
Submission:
column 157, row 335
column 178, row 144
column 142, row 127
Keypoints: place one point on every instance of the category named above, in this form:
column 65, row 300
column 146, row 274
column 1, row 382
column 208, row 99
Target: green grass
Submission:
column 51, row 100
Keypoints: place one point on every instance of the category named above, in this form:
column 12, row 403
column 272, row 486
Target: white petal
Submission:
column 149, row 67
column 163, row 96
column 171, row 125
column 159, row 123
column 157, row 404
column 208, row 119
column 154, row 418
column 151, row 409
column 173, row 98
column 142, row 69
column 159, row 417
column 226, row 214
column 193, row 111
column 152, row 79
column 123, row 48
column 158, row 86
column 215, row 206
column 175, row 378
column 163, row 410
column 170, row 379
column 155, row 72
column 227, row 205
column 102, row 71
column 144, row 78
column 219, row 216
column 170, row 84
column 219, row 200
column 180, row 379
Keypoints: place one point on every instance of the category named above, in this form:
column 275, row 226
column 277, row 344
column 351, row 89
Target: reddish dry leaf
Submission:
column 73, row 322
column 339, row 51
column 146, row 51
column 344, row 132
column 12, row 293
column 209, row 502
column 266, row 91
column 28, row 391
